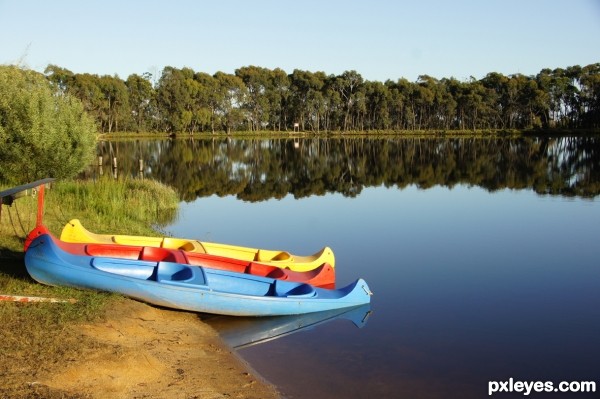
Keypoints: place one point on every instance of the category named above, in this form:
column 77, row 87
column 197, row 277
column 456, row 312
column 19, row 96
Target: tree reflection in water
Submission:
column 260, row 169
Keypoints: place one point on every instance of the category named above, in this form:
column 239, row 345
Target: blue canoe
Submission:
column 186, row 287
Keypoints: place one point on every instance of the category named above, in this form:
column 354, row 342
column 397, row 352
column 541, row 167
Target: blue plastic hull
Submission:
column 186, row 287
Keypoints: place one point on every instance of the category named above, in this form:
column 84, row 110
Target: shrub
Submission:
column 43, row 132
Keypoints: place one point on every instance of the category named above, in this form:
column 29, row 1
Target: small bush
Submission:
column 43, row 132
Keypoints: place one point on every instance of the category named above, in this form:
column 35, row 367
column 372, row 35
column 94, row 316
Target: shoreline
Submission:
column 142, row 351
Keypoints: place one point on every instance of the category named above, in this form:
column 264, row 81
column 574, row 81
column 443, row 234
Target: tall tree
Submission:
column 258, row 84
column 115, row 108
column 348, row 84
column 141, row 99
column 231, row 96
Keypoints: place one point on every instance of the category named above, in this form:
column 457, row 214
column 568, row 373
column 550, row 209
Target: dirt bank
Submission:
column 140, row 351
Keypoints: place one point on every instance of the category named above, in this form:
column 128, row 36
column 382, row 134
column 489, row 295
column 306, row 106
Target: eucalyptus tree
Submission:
column 141, row 99
column 445, row 106
column 546, row 81
column 316, row 107
column 590, row 94
column 278, row 98
column 333, row 104
column 498, row 94
column 565, row 94
column 348, row 84
column 468, row 104
column 114, row 106
column 377, row 100
column 304, row 88
column 174, row 95
column 398, row 102
column 258, row 84
column 573, row 74
column 424, row 101
column 207, row 100
column 533, row 103
column 106, row 98
column 86, row 87
column 231, row 96
column 62, row 78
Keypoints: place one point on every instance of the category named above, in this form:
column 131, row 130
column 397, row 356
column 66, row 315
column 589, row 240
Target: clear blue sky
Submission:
column 379, row 39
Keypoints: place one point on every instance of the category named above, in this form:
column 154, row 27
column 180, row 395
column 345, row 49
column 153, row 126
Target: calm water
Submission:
column 483, row 257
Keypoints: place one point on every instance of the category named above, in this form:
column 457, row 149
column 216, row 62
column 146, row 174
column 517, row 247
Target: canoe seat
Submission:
column 291, row 289
column 157, row 254
column 176, row 273
column 239, row 283
column 125, row 267
column 183, row 245
column 111, row 251
column 272, row 256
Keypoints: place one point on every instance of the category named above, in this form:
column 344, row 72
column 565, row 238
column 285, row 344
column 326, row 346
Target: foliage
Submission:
column 258, row 99
column 260, row 169
column 43, row 131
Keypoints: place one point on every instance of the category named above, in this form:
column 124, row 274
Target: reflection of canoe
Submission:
column 241, row 332
column 75, row 232
column 322, row 276
column 186, row 287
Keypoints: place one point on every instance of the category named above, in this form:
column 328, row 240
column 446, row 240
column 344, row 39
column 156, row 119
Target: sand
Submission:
column 141, row 351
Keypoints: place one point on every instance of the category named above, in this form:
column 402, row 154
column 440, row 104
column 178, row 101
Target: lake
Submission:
column 482, row 255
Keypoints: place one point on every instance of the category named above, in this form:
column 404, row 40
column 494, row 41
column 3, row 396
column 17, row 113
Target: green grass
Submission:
column 36, row 337
column 131, row 206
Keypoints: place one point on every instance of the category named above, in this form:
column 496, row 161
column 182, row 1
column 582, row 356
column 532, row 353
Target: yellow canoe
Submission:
column 75, row 232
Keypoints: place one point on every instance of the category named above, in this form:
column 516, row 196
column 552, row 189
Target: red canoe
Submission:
column 322, row 276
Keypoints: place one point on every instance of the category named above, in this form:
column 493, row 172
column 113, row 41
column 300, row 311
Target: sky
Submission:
column 379, row 39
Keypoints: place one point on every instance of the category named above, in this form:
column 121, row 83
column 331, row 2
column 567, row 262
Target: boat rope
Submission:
column 25, row 232
column 62, row 216
column 28, row 299
column 12, row 223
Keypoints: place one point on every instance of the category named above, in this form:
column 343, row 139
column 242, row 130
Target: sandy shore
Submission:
column 140, row 351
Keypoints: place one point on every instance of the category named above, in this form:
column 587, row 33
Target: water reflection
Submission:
column 261, row 169
column 243, row 332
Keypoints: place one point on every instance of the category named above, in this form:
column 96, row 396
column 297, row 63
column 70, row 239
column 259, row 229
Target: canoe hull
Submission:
column 199, row 290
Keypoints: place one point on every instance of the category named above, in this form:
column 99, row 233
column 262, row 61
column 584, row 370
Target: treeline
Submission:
column 261, row 169
column 259, row 99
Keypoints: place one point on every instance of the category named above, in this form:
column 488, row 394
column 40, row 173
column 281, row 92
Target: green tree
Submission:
column 115, row 109
column 61, row 77
column 43, row 131
column 86, row 87
column 348, row 84
column 175, row 97
column 208, row 98
column 304, row 86
column 231, row 95
column 278, row 98
column 378, row 98
column 258, row 84
column 141, row 100
column 590, row 95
